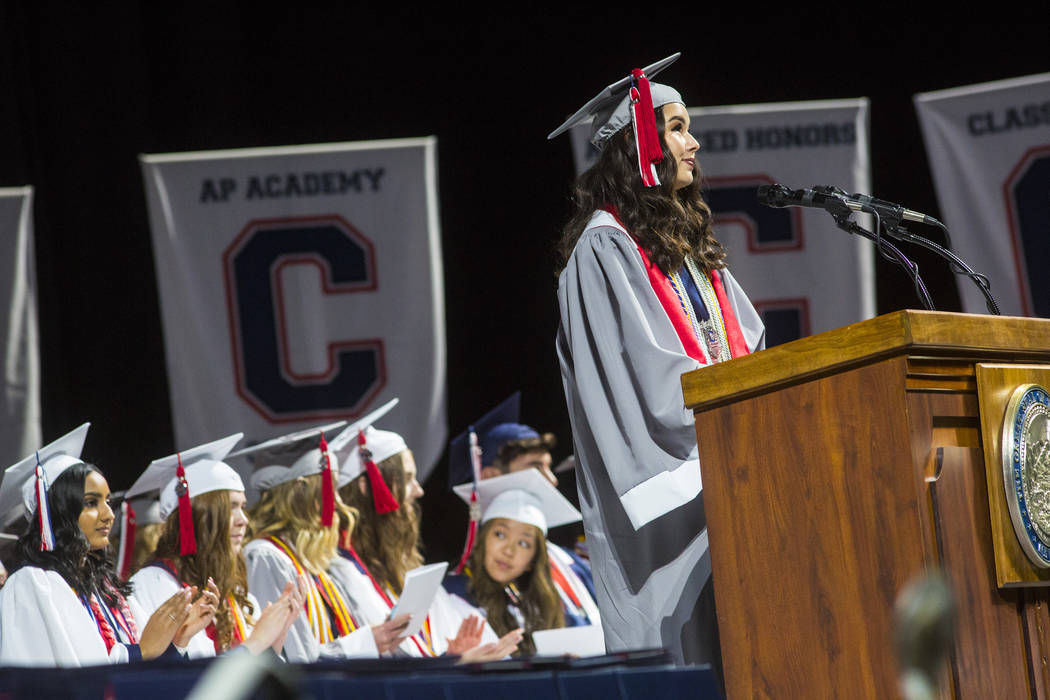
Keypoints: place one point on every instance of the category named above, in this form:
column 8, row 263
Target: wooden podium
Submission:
column 836, row 469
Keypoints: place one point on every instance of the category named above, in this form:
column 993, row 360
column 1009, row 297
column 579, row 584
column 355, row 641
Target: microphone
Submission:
column 779, row 196
column 885, row 208
column 833, row 200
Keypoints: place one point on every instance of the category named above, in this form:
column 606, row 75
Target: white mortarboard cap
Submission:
column 524, row 496
column 202, row 471
column 205, row 472
column 381, row 443
column 203, row 476
column 290, row 456
column 343, row 445
column 266, row 478
column 347, row 446
column 610, row 109
column 19, row 483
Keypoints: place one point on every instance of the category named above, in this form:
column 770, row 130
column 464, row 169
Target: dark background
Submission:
column 86, row 87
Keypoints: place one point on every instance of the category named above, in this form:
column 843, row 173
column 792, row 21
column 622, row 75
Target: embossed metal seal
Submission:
column 1026, row 469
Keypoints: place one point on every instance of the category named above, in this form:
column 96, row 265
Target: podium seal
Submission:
column 1026, row 469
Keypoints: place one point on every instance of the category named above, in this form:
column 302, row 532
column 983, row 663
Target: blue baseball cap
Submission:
column 499, row 436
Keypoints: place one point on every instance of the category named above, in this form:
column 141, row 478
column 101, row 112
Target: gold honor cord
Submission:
column 319, row 623
column 712, row 333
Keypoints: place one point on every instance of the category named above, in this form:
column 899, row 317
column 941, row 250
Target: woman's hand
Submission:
column 494, row 651
column 468, row 636
column 297, row 603
column 389, row 634
column 202, row 614
column 273, row 622
column 270, row 624
column 164, row 623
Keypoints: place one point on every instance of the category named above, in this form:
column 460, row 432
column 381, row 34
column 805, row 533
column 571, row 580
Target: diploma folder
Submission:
column 421, row 585
column 585, row 640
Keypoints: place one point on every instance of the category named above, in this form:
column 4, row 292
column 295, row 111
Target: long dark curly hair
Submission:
column 668, row 224
column 73, row 559
column 540, row 604
column 215, row 557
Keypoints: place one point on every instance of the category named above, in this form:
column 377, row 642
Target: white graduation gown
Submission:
column 370, row 608
column 44, row 623
column 153, row 586
column 269, row 569
column 447, row 613
column 638, row 470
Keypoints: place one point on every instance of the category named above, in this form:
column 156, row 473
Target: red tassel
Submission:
column 187, row 539
column 472, row 531
column 647, row 120
column 127, row 541
column 327, row 486
column 382, row 499
column 643, row 117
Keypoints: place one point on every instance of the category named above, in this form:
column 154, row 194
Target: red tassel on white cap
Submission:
column 382, row 500
column 187, row 539
column 327, row 486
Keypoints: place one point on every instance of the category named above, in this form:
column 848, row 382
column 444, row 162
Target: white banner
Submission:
column 802, row 273
column 20, row 383
column 300, row 285
column 989, row 150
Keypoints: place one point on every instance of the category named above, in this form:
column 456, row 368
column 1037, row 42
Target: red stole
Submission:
column 673, row 307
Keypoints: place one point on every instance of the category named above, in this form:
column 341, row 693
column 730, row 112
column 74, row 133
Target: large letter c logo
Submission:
column 264, row 375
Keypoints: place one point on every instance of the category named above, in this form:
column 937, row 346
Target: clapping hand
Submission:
column 494, row 651
column 201, row 613
column 468, row 636
column 273, row 623
column 164, row 623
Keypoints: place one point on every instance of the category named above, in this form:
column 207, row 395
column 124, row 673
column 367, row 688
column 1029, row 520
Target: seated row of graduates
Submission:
column 334, row 532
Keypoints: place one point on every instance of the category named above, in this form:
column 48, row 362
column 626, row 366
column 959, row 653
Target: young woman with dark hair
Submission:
column 63, row 604
column 645, row 296
column 670, row 222
column 508, row 575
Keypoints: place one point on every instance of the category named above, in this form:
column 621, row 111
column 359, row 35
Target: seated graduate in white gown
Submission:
column 202, row 505
column 507, row 573
column 63, row 604
column 507, row 447
column 297, row 532
column 377, row 479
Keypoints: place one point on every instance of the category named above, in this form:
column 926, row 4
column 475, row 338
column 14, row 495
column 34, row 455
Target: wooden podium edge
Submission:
column 917, row 332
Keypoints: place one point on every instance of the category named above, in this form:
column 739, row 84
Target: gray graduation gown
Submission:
column 638, row 473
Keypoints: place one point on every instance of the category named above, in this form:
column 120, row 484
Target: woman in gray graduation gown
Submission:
column 645, row 296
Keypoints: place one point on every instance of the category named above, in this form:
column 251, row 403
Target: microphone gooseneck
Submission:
column 888, row 218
